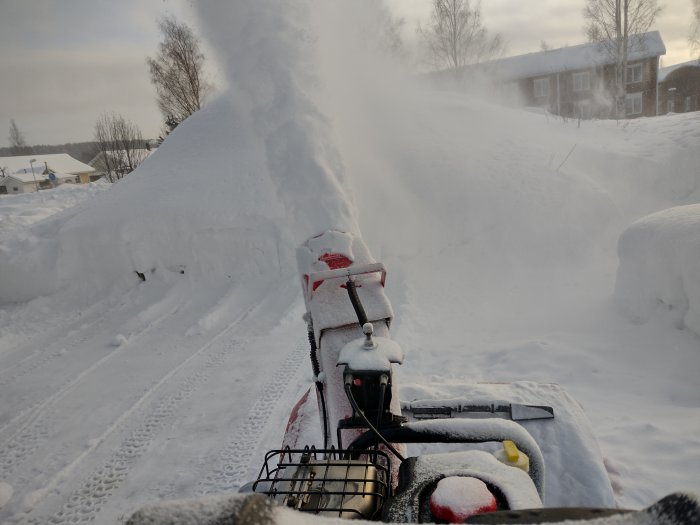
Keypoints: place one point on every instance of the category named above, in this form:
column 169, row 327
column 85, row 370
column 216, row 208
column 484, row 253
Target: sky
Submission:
column 63, row 62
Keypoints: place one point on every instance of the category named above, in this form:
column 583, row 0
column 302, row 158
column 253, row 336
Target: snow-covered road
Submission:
column 85, row 409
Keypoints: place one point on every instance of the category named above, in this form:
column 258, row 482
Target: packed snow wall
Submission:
column 660, row 267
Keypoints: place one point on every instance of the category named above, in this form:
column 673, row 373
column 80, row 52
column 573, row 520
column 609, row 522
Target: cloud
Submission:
column 69, row 61
column 62, row 85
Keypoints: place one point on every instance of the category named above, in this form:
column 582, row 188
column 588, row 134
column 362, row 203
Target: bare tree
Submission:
column 695, row 30
column 177, row 72
column 619, row 26
column 456, row 35
column 18, row 145
column 392, row 42
column 120, row 145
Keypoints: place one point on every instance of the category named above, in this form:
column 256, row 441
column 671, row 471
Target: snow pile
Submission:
column 201, row 207
column 457, row 497
column 17, row 212
column 6, row 491
column 660, row 266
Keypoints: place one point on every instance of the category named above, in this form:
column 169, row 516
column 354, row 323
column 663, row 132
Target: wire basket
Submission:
column 331, row 482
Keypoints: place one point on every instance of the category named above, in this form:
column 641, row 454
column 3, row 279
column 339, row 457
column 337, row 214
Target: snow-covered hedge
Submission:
column 660, row 266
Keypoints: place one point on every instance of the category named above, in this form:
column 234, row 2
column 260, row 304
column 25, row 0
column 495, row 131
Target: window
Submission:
column 582, row 81
column 582, row 109
column 633, row 103
column 541, row 87
column 15, row 188
column 633, row 74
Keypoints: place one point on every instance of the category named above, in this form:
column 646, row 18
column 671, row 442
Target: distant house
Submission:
column 57, row 162
column 40, row 167
column 679, row 88
column 577, row 81
column 22, row 182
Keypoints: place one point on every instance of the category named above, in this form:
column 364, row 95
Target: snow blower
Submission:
column 449, row 452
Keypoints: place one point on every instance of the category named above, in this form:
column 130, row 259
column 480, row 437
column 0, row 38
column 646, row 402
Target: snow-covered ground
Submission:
column 499, row 228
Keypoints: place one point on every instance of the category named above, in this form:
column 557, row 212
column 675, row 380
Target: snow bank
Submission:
column 17, row 212
column 660, row 266
column 201, row 208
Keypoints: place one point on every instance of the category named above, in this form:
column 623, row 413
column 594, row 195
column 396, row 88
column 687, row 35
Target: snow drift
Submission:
column 660, row 266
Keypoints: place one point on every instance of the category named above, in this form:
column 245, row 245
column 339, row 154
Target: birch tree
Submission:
column 695, row 30
column 618, row 25
column 456, row 35
column 177, row 72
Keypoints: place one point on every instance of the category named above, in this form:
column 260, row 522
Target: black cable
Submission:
column 380, row 409
column 357, row 409
column 319, row 388
column 316, row 367
column 356, row 304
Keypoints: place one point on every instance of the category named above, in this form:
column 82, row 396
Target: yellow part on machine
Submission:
column 510, row 450
column 510, row 455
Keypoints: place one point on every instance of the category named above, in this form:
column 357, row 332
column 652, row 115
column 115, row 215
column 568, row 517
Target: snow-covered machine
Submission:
column 365, row 448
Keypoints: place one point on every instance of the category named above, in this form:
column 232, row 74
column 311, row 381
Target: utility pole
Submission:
column 31, row 165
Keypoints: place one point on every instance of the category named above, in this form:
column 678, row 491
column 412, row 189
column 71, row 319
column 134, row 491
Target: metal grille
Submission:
column 329, row 482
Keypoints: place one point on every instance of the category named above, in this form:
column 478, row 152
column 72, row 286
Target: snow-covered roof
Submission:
column 26, row 177
column 666, row 71
column 572, row 58
column 58, row 162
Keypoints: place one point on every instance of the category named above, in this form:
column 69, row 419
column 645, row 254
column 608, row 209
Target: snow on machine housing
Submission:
column 345, row 456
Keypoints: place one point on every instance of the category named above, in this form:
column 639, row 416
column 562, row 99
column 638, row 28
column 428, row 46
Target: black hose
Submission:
column 356, row 304
column 360, row 413
column 319, row 389
column 380, row 408
column 314, row 357
column 316, row 367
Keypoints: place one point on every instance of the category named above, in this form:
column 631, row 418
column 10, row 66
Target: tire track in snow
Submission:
column 34, row 430
column 234, row 461
column 26, row 366
column 21, row 446
column 36, row 361
column 80, row 329
column 83, row 505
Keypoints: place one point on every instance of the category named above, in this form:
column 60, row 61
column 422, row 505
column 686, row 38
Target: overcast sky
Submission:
column 63, row 62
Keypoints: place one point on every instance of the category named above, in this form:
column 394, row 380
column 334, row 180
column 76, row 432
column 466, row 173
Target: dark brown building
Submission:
column 577, row 81
column 679, row 88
